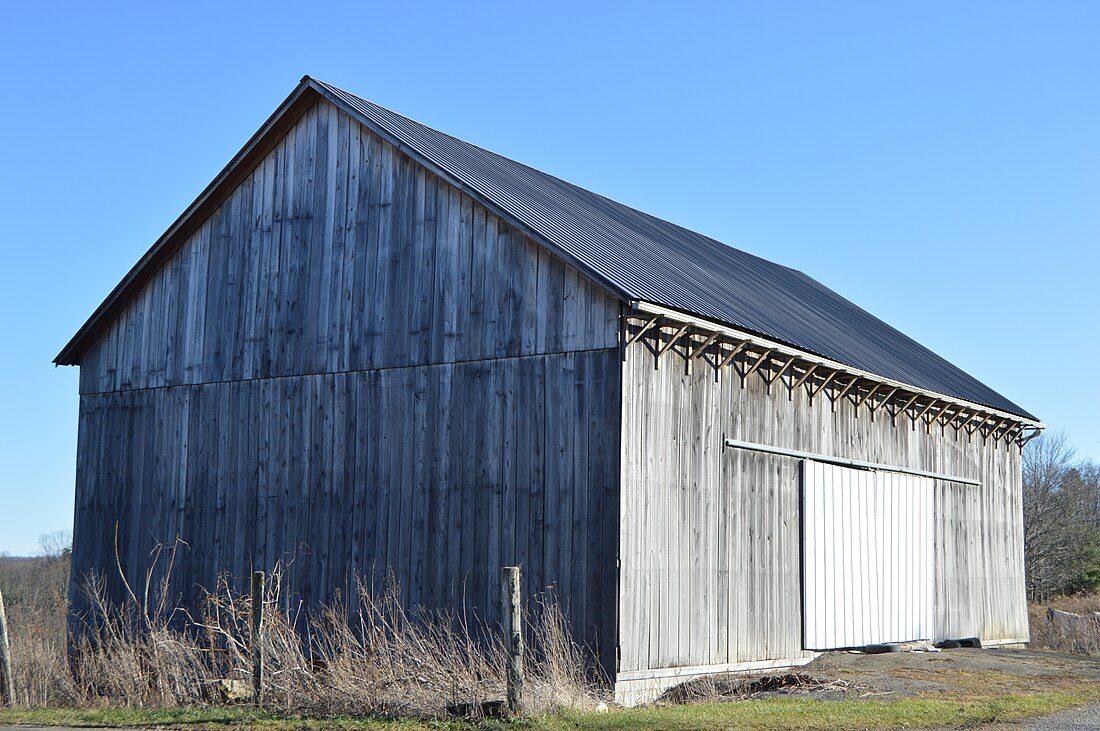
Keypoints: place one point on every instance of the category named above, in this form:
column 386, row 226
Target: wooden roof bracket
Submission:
column 992, row 430
column 977, row 427
column 1009, row 428
column 1022, row 440
column 936, row 418
column 962, row 426
column 733, row 353
column 694, row 351
column 860, row 400
column 927, row 408
column 1012, row 433
column 815, row 391
column 722, row 362
column 875, row 406
column 839, row 396
column 702, row 347
column 662, row 349
column 750, row 371
column 747, row 345
column 779, row 374
column 957, row 416
column 649, row 326
column 802, row 379
column 642, row 330
column 905, row 408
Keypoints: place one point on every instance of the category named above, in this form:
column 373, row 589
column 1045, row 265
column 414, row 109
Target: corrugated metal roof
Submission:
column 646, row 258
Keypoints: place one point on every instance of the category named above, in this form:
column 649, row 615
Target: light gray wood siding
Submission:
column 352, row 368
column 711, row 536
column 340, row 254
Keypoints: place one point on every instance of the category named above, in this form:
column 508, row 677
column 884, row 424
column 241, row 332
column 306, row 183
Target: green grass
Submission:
column 756, row 715
column 803, row 713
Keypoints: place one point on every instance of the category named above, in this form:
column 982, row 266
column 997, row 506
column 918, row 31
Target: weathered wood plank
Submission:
column 338, row 253
column 750, row 556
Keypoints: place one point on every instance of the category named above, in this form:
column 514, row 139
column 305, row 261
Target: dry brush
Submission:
column 371, row 655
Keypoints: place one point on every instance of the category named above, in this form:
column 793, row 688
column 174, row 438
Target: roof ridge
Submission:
column 538, row 171
column 801, row 311
column 486, row 150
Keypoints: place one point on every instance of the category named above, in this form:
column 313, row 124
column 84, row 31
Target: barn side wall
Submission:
column 352, row 368
column 711, row 538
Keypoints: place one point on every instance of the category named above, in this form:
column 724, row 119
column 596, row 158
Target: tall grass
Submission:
column 368, row 656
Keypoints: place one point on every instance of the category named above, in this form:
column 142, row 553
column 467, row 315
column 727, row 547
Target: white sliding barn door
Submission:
column 867, row 557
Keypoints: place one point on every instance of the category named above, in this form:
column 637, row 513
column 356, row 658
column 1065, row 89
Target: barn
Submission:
column 371, row 347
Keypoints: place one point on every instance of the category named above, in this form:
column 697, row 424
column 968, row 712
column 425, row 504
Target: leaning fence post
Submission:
column 7, row 685
column 258, row 637
column 513, row 634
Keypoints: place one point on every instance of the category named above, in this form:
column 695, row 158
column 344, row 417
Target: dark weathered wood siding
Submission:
column 354, row 367
column 340, row 254
column 711, row 539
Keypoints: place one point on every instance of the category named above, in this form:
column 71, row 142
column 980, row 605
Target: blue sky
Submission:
column 936, row 163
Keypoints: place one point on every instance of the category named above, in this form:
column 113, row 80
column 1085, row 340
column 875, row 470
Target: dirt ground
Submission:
column 837, row 675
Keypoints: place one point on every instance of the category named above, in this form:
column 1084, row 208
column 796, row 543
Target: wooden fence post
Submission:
column 512, row 607
column 7, row 684
column 258, row 637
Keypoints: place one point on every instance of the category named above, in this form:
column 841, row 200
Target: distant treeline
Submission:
column 1061, row 520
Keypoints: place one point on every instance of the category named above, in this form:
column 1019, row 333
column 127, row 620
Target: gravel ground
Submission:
column 906, row 673
column 856, row 676
column 1075, row 719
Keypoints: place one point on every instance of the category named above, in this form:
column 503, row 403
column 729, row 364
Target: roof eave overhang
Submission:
column 705, row 327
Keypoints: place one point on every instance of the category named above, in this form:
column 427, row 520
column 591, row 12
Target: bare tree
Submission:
column 1089, row 475
column 56, row 544
column 1061, row 516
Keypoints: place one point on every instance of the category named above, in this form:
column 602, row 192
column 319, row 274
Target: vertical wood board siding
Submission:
column 711, row 537
column 351, row 367
column 338, row 253
column 439, row 474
